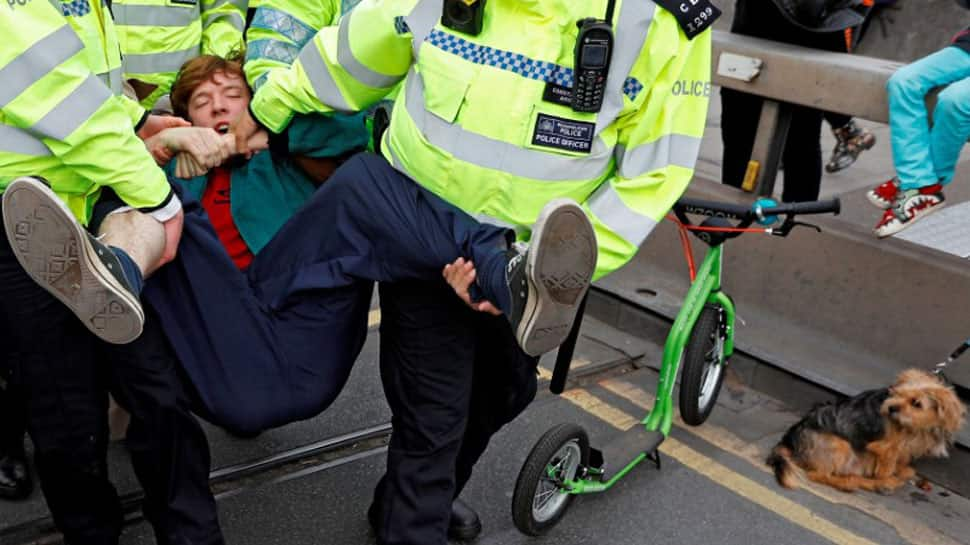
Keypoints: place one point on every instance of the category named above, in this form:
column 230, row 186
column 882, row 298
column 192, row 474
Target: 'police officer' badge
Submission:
column 563, row 134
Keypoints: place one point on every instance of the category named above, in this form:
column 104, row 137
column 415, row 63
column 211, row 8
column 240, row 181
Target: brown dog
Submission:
column 870, row 440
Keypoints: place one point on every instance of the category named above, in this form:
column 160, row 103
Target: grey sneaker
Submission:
column 65, row 260
column 549, row 279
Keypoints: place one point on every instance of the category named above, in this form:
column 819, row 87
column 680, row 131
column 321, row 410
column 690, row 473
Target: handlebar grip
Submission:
column 815, row 207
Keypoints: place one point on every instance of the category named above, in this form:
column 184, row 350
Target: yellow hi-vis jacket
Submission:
column 158, row 36
column 471, row 124
column 281, row 28
column 60, row 121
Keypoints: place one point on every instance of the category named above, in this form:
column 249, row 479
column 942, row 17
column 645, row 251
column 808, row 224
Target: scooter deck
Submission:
column 620, row 452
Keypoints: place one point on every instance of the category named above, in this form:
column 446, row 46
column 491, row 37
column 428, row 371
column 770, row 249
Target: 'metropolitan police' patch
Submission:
column 694, row 16
column 564, row 134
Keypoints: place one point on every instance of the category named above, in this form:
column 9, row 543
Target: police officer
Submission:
column 60, row 121
column 504, row 105
column 158, row 36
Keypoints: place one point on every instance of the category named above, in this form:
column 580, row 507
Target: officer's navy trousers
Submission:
column 453, row 377
column 64, row 374
column 276, row 343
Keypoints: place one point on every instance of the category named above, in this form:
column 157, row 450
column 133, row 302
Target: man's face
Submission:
column 218, row 100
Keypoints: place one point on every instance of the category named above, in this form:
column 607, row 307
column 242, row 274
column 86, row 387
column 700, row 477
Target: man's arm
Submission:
column 657, row 146
column 343, row 68
column 280, row 29
column 51, row 94
column 223, row 22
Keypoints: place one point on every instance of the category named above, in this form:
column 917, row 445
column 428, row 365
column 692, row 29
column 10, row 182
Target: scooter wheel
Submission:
column 539, row 500
column 703, row 366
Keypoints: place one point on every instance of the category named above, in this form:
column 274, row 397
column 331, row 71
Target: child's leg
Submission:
column 951, row 127
column 908, row 117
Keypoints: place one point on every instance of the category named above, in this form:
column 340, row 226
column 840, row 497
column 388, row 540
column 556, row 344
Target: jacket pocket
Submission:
column 445, row 88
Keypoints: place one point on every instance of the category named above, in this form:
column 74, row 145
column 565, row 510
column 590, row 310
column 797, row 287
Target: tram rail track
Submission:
column 326, row 454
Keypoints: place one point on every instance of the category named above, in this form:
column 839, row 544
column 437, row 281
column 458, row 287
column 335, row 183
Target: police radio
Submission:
column 465, row 16
column 591, row 64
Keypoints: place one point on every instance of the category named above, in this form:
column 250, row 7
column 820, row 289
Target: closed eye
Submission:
column 916, row 404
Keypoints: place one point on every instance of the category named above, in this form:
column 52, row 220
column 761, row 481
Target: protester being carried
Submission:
column 297, row 281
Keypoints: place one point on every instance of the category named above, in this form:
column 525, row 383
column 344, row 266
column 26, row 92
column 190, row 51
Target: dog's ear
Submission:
column 949, row 408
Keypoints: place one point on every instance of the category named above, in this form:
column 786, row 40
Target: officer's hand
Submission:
column 460, row 276
column 157, row 123
column 245, row 128
column 173, row 233
column 186, row 167
column 208, row 147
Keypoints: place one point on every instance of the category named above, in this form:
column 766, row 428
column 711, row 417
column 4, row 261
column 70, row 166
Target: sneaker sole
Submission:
column 561, row 261
column 903, row 226
column 53, row 249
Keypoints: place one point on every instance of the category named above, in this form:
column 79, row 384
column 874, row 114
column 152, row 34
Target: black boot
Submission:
column 464, row 524
column 15, row 480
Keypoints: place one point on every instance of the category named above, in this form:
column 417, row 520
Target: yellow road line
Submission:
column 722, row 475
column 909, row 529
column 374, row 318
column 600, row 409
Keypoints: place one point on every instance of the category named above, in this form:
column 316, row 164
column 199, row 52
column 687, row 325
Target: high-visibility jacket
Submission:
column 60, row 121
column 471, row 124
column 280, row 29
column 158, row 36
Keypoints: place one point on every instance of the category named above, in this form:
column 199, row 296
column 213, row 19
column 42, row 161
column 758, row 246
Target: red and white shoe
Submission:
column 883, row 194
column 909, row 206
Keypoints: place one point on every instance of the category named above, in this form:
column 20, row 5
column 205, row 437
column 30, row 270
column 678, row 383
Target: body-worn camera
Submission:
column 465, row 16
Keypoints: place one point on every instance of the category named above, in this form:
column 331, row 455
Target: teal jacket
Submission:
column 269, row 188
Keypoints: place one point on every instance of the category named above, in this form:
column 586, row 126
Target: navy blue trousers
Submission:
column 276, row 343
column 453, row 377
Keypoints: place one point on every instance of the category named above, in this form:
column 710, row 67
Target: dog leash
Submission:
column 954, row 355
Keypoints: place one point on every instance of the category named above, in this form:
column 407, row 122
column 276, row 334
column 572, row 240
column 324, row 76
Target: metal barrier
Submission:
column 787, row 74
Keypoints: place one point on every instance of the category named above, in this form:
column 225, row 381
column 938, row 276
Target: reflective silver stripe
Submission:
column 158, row 63
column 233, row 18
column 356, row 70
column 670, row 149
column 480, row 217
column 421, row 20
column 631, row 33
column 241, row 5
column 324, row 87
column 74, row 110
column 612, row 212
column 497, row 155
column 112, row 80
column 171, row 16
column 37, row 61
column 14, row 140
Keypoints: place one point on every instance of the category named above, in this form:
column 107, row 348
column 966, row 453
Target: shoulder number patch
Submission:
column 564, row 134
column 694, row 16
